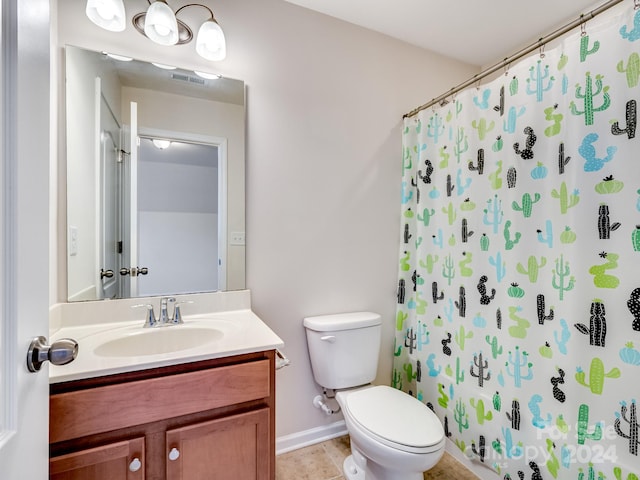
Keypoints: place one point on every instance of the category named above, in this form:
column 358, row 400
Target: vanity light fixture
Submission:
column 161, row 25
column 108, row 14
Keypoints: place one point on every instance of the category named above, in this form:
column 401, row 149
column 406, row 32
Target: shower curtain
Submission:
column 518, row 318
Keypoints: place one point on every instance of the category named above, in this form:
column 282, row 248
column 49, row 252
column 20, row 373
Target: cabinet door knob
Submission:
column 174, row 454
column 135, row 465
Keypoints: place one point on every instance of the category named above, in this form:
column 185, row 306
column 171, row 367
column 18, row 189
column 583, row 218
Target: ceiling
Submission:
column 476, row 32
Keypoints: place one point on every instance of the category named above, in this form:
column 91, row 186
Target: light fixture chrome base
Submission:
column 185, row 35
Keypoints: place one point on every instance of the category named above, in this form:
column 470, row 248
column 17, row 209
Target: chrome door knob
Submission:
column 134, row 271
column 106, row 273
column 60, row 352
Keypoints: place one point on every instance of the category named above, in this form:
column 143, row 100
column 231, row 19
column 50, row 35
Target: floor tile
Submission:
column 323, row 461
column 309, row 463
column 338, row 449
column 448, row 468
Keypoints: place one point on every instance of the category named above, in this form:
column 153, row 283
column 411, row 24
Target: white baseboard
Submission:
column 297, row 440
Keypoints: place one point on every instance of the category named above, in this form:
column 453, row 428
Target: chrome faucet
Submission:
column 164, row 319
column 164, row 311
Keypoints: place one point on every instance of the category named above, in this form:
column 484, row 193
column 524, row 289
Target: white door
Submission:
column 109, row 145
column 24, row 242
column 128, row 207
column 133, row 201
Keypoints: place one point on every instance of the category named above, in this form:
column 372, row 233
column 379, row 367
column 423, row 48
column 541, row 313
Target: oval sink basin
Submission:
column 156, row 341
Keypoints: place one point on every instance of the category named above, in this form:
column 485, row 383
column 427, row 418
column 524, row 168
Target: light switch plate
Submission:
column 73, row 240
column 237, row 238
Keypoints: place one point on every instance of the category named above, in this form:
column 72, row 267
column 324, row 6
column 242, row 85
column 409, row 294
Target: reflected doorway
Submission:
column 180, row 214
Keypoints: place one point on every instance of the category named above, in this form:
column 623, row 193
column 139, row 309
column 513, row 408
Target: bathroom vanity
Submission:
column 209, row 419
column 199, row 413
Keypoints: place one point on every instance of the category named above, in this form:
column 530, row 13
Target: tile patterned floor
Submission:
column 323, row 461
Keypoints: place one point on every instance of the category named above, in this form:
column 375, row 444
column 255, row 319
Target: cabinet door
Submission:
column 115, row 461
column 230, row 448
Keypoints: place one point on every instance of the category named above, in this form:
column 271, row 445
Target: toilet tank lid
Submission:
column 342, row 321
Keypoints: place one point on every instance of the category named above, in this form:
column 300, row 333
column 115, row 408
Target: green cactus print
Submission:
column 533, row 267
column 589, row 92
column 499, row 239
column 602, row 279
column 632, row 69
column 596, row 376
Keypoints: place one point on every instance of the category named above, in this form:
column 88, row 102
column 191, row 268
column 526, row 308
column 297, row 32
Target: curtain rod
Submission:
column 516, row 56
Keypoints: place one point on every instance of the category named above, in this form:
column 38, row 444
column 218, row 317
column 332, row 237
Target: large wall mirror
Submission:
column 155, row 179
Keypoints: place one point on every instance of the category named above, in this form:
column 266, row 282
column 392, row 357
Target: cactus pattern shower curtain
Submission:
column 518, row 316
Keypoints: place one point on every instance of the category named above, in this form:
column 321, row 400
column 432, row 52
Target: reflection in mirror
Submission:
column 155, row 179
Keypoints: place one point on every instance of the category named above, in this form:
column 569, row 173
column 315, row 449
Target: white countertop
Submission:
column 241, row 332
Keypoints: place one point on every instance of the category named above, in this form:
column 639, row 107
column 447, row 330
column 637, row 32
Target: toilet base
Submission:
column 367, row 470
column 351, row 470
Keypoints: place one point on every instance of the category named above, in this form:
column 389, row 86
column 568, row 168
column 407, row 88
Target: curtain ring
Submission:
column 542, row 51
column 507, row 65
column 583, row 28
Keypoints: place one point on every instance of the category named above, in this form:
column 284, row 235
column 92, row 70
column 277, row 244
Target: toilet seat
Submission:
column 395, row 419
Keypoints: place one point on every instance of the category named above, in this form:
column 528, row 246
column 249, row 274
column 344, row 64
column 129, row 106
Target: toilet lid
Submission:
column 395, row 416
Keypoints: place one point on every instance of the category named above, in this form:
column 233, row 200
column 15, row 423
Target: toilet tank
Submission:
column 344, row 348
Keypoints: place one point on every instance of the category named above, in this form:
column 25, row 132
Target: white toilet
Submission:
column 393, row 435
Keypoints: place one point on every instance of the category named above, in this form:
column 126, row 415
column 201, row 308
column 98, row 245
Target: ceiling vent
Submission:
column 187, row 78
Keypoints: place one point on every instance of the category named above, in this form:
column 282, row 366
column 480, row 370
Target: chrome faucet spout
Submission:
column 164, row 310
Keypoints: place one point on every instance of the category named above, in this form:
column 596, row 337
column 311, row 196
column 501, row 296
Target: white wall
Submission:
column 324, row 107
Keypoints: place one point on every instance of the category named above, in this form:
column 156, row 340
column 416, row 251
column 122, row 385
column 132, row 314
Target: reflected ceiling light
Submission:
column 161, row 144
column 120, row 58
column 108, row 14
column 161, row 25
column 209, row 76
column 163, row 66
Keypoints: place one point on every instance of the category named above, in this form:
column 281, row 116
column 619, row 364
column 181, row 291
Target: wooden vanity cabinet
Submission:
column 204, row 420
column 114, row 461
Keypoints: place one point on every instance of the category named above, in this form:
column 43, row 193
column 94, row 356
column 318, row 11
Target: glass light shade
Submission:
column 107, row 14
column 160, row 24
column 210, row 42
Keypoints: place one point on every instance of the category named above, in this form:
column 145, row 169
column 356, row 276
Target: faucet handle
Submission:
column 177, row 314
column 150, row 320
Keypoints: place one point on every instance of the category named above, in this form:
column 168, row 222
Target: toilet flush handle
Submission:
column 328, row 338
